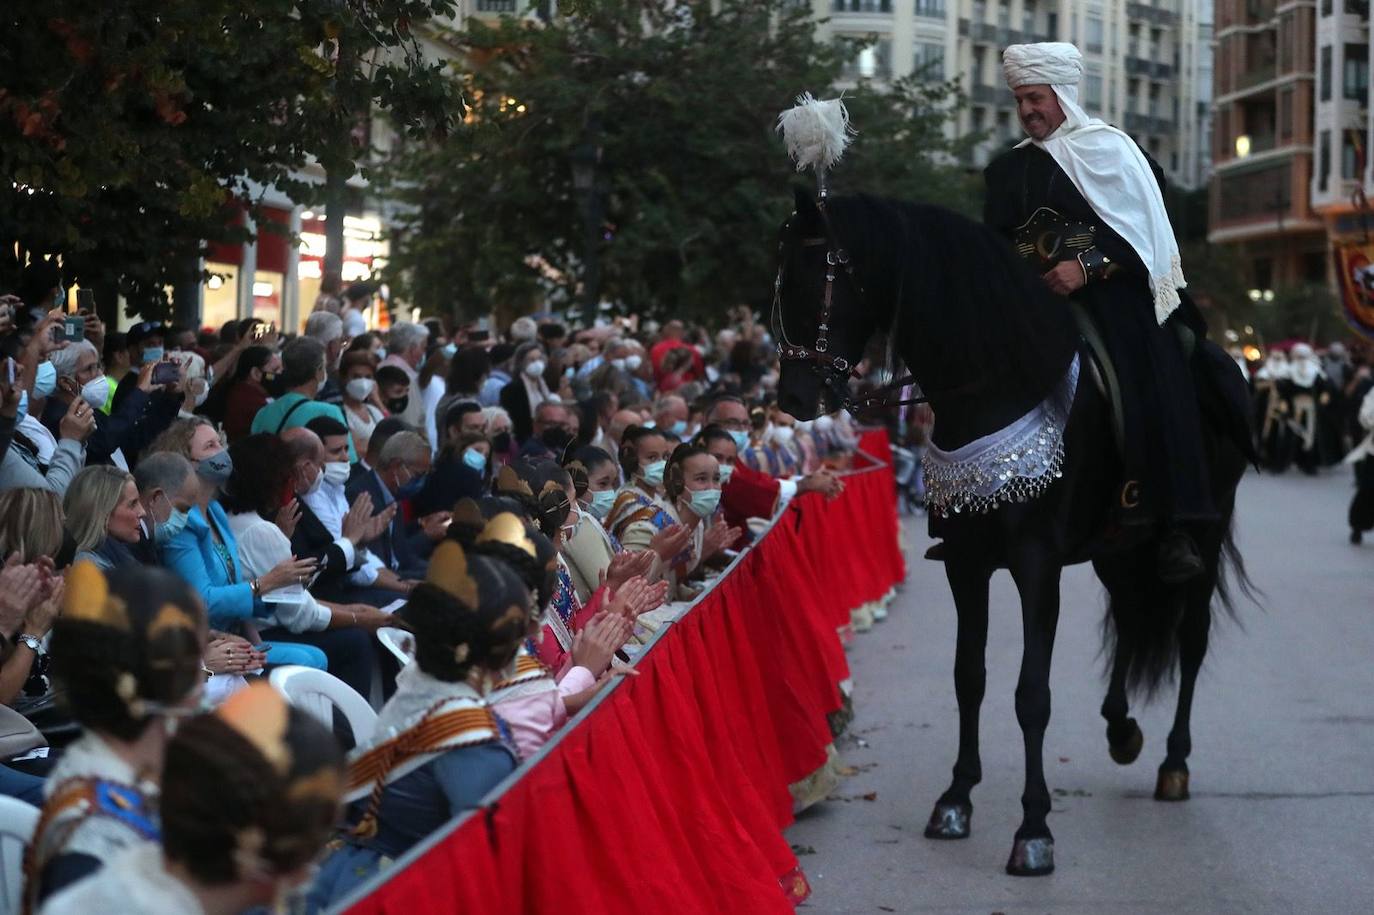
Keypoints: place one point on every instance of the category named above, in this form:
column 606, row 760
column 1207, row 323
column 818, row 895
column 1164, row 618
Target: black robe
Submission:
column 1162, row 419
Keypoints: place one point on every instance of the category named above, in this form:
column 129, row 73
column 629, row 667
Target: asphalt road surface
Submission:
column 1282, row 814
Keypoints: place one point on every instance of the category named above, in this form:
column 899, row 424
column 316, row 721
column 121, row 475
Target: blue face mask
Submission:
column 216, row 468
column 23, row 407
column 175, row 524
column 678, row 428
column 45, row 380
column 152, row 354
column 726, row 471
column 703, row 502
column 450, row 349
column 475, row 459
column 741, row 439
column 653, row 474
column 412, row 488
column 600, row 504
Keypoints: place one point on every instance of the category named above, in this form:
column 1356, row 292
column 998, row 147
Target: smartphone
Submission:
column 85, row 301
column 166, row 373
column 74, row 328
column 9, row 371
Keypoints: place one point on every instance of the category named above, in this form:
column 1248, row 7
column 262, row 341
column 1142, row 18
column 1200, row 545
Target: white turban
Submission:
column 1049, row 63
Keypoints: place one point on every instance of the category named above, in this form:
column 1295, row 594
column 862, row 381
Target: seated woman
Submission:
column 127, row 650
column 31, row 532
column 438, row 747
column 498, row 430
column 641, row 518
column 590, row 549
column 260, row 516
column 249, row 794
column 105, row 516
column 205, row 553
column 460, row 469
column 624, row 592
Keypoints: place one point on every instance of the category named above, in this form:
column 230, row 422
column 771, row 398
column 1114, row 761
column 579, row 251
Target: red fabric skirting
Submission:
column 672, row 794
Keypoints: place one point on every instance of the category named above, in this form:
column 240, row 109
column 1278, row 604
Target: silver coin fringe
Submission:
column 999, row 479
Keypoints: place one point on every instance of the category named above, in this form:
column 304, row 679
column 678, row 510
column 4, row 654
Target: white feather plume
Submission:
column 816, row 132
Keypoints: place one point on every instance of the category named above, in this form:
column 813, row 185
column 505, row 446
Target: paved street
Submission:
column 1282, row 815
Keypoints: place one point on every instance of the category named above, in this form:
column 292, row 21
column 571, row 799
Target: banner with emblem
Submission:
column 1355, row 272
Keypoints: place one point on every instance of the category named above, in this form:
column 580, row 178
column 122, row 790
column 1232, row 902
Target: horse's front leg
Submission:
column 1036, row 572
column 968, row 581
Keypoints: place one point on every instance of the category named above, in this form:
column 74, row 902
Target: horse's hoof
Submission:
column 1125, row 752
column 1031, row 858
column 950, row 821
column 1172, row 785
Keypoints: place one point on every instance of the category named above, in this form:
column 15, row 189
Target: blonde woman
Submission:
column 105, row 516
column 31, row 526
column 30, row 523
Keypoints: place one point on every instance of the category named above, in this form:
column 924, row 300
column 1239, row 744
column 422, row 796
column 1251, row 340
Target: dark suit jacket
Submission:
column 516, row 402
column 312, row 539
column 406, row 553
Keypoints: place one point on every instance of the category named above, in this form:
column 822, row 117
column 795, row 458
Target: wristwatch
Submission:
column 34, row 643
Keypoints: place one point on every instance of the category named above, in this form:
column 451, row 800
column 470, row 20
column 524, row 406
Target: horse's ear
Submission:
column 804, row 203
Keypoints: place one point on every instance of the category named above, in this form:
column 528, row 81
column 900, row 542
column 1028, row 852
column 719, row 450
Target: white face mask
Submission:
column 336, row 473
column 633, row 362
column 96, row 391
column 535, row 369
column 360, row 388
column 783, row 435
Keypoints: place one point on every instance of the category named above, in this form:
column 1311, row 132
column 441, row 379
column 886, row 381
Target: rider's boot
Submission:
column 1178, row 559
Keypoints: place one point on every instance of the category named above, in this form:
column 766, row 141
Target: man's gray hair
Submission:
column 324, row 326
column 301, row 360
column 404, row 335
column 65, row 360
column 403, row 446
column 523, row 330
column 547, row 405
column 164, row 470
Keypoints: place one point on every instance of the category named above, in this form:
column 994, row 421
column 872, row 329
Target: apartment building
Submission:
column 1343, row 128
column 1147, row 65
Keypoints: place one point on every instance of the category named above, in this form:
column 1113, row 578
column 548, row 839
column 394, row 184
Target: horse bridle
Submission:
column 835, row 371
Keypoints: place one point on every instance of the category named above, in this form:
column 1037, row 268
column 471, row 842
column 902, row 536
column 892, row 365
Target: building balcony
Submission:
column 986, row 33
column 1151, row 14
column 880, row 7
column 1145, row 123
column 497, row 6
column 983, row 94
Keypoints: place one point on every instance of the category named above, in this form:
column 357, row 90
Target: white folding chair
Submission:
column 17, row 821
column 319, row 693
column 399, row 642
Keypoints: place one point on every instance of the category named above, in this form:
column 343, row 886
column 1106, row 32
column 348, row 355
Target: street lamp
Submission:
column 584, row 160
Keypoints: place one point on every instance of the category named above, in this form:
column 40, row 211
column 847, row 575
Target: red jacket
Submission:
column 749, row 494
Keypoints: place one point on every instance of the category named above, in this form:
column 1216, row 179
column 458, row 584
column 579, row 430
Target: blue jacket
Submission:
column 191, row 554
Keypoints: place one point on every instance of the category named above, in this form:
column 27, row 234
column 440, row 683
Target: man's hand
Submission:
column 670, row 541
column 10, row 396
column 145, row 377
column 435, row 525
column 380, row 522
column 42, row 342
column 1065, row 278
column 79, row 421
column 357, row 524
column 822, row 481
column 95, row 329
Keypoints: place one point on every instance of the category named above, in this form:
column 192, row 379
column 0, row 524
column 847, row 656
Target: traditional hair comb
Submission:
column 579, row 473
column 507, row 480
column 170, row 617
column 260, row 714
column 88, row 598
column 448, row 571
column 468, row 513
column 507, row 528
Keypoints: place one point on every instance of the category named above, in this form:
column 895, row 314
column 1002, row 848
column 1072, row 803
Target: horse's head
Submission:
column 820, row 319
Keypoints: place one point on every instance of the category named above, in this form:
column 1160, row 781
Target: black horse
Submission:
column 987, row 342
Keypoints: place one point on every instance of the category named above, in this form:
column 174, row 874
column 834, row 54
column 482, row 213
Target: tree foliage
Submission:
column 676, row 105
column 127, row 128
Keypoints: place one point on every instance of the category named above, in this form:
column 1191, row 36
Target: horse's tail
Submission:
column 1143, row 617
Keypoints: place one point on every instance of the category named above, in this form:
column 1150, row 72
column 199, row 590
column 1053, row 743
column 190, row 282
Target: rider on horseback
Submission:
column 1084, row 204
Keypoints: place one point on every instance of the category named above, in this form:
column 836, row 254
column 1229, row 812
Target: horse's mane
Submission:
column 969, row 312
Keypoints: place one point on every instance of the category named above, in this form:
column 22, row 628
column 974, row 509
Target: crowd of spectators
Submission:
column 181, row 512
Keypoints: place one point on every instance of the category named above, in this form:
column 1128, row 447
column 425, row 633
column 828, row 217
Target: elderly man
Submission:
column 327, row 328
column 405, row 346
column 168, row 489
column 552, row 432
column 1091, row 189
column 670, row 415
